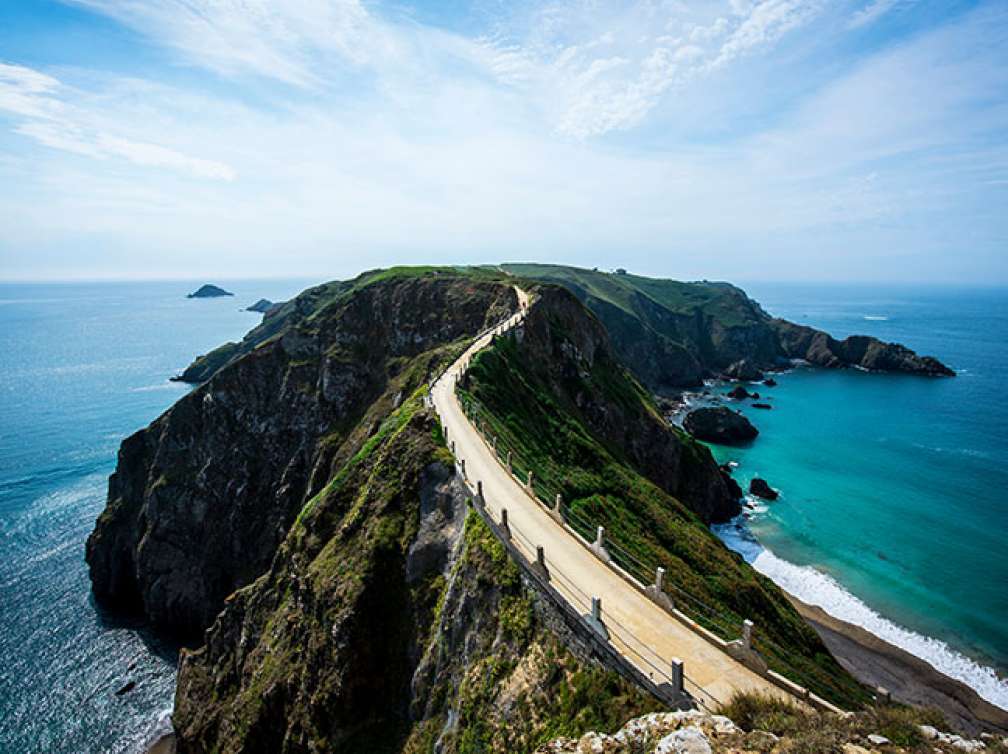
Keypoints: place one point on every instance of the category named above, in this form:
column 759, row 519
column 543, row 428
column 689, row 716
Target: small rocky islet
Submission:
column 209, row 291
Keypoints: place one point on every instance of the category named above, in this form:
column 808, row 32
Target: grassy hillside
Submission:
column 543, row 423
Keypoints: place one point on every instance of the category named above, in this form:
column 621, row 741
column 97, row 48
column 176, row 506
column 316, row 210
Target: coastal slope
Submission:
column 673, row 334
column 202, row 497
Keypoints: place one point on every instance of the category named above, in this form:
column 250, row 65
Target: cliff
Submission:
column 202, row 497
column 674, row 334
column 391, row 621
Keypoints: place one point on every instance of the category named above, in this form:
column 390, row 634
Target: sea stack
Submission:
column 720, row 425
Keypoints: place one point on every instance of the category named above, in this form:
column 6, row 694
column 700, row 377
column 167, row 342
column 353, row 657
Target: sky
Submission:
column 847, row 140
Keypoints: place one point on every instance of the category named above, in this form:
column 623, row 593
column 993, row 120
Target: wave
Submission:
column 876, row 318
column 816, row 588
column 166, row 385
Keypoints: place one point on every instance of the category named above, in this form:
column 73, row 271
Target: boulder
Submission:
column 738, row 393
column 744, row 369
column 720, row 425
column 770, row 382
column 765, row 406
column 760, row 488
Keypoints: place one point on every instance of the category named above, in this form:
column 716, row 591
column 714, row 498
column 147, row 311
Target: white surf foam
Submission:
column 816, row 588
column 876, row 318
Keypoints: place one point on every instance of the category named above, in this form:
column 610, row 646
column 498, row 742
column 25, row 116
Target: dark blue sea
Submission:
column 83, row 366
column 892, row 513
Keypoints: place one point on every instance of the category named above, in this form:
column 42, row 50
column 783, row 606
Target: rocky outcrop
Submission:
column 720, row 425
column 209, row 291
column 261, row 306
column 818, row 348
column 673, row 334
column 202, row 497
column 760, row 488
column 738, row 393
column 695, row 732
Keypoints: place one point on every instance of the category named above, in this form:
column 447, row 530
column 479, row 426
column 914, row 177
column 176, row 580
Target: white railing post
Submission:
column 747, row 627
column 677, row 676
column 504, row 523
column 528, row 485
column 659, row 579
column 462, row 464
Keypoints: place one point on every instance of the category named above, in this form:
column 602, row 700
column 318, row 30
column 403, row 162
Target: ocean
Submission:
column 83, row 366
column 891, row 513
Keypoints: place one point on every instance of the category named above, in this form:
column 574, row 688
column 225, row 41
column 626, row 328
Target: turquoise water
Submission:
column 84, row 366
column 893, row 510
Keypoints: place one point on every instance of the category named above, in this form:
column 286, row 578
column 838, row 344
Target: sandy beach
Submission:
column 910, row 680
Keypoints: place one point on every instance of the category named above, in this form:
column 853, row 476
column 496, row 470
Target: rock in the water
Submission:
column 738, row 393
column 760, row 488
column 744, row 369
column 770, row 382
column 262, row 306
column 720, row 425
column 126, row 688
column 764, row 406
column 209, row 291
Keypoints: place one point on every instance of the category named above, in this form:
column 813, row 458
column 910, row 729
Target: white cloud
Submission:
column 42, row 111
column 293, row 41
column 874, row 10
column 462, row 150
column 586, row 94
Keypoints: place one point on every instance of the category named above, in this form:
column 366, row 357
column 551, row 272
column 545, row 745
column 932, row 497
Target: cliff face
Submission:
column 390, row 621
column 673, row 334
column 201, row 498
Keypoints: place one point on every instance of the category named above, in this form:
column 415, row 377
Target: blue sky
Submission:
column 735, row 139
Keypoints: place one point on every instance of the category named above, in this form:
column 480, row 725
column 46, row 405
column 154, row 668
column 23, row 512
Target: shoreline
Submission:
column 911, row 680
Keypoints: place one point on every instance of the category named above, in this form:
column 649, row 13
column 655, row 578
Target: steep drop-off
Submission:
column 201, row 498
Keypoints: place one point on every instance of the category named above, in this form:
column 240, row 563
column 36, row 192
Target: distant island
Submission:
column 262, row 306
column 209, row 291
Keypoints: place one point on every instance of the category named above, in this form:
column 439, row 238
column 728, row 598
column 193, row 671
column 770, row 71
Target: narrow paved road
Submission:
column 642, row 631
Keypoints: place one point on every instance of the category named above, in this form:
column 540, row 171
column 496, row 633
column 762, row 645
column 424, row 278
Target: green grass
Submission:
column 804, row 730
column 721, row 301
column 547, row 435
